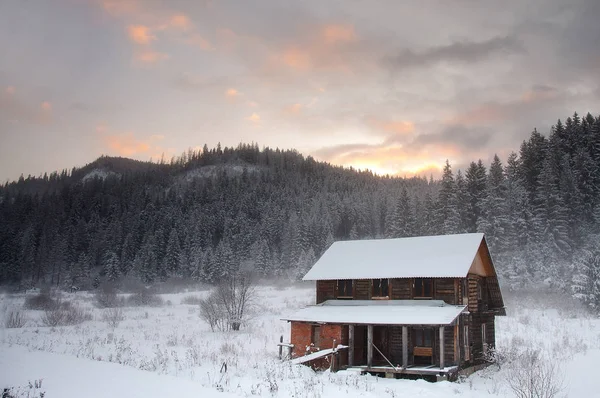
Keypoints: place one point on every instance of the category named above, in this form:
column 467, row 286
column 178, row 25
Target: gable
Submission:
column 441, row 256
column 482, row 263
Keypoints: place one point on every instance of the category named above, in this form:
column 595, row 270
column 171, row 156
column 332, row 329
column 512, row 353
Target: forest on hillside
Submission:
column 209, row 213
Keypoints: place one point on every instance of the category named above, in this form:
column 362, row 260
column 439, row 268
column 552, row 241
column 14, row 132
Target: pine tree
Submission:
column 172, row 259
column 447, row 214
column 111, row 266
column 476, row 192
column 586, row 281
column 493, row 221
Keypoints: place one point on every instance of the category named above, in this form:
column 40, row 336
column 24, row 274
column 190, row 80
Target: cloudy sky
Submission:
column 394, row 86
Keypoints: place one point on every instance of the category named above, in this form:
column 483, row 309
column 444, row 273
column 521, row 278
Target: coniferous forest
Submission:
column 209, row 213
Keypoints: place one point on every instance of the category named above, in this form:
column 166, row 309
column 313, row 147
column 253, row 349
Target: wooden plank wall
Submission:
column 473, row 281
column 325, row 291
column 494, row 292
column 444, row 290
column 362, row 289
column 401, row 289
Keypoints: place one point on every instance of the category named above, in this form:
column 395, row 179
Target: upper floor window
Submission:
column 423, row 288
column 380, row 288
column 344, row 288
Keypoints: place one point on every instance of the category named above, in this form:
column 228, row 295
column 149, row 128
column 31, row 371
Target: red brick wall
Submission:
column 301, row 338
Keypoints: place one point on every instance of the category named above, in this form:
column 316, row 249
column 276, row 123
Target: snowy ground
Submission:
column 170, row 351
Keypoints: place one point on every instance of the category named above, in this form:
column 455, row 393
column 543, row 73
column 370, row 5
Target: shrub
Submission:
column 31, row 390
column 145, row 298
column 228, row 305
column 214, row 313
column 113, row 316
column 72, row 315
column 106, row 296
column 14, row 320
column 532, row 376
column 191, row 300
column 42, row 301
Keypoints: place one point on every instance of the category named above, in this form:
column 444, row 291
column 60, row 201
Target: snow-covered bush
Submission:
column 14, row 320
column 534, row 376
column 31, row 390
column 65, row 316
column 113, row 316
column 229, row 305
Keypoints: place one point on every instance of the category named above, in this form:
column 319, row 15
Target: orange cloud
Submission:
column 10, row 90
column 254, row 118
column 232, row 93
column 333, row 34
column 46, row 106
column 297, row 58
column 140, row 34
column 402, row 127
column 180, row 21
column 127, row 144
column 151, row 57
column 294, row 109
column 252, row 104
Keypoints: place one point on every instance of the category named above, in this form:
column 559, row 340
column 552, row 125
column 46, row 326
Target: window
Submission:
column 423, row 288
column 423, row 337
column 315, row 335
column 344, row 288
column 380, row 288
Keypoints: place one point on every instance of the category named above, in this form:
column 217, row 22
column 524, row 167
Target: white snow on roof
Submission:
column 443, row 256
column 373, row 312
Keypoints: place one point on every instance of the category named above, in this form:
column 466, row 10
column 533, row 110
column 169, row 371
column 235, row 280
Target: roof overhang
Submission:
column 372, row 312
column 441, row 256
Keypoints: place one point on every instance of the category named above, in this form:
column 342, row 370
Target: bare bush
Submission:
column 113, row 316
column 145, row 298
column 14, row 320
column 191, row 300
column 65, row 316
column 42, row 301
column 532, row 376
column 227, row 307
column 212, row 311
column 106, row 296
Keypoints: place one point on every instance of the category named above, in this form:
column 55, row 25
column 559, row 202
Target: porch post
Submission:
column 369, row 345
column 405, row 347
column 441, row 347
column 351, row 345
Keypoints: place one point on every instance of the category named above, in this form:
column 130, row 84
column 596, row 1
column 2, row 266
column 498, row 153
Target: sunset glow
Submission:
column 413, row 93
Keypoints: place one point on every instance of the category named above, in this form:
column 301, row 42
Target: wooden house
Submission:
column 420, row 306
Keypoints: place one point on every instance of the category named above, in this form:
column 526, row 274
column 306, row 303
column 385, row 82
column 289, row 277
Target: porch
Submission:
column 384, row 337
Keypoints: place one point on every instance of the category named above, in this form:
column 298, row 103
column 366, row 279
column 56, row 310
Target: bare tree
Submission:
column 227, row 307
column 532, row 376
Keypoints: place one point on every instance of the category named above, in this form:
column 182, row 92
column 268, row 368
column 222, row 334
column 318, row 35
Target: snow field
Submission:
column 172, row 347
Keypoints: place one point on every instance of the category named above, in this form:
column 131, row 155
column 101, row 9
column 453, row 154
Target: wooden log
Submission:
column 441, row 347
column 405, row 346
column 369, row 345
column 351, row 345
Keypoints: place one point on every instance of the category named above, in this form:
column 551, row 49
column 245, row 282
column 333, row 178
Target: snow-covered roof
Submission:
column 442, row 256
column 384, row 312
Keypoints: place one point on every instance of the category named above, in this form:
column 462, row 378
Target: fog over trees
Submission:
column 210, row 213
